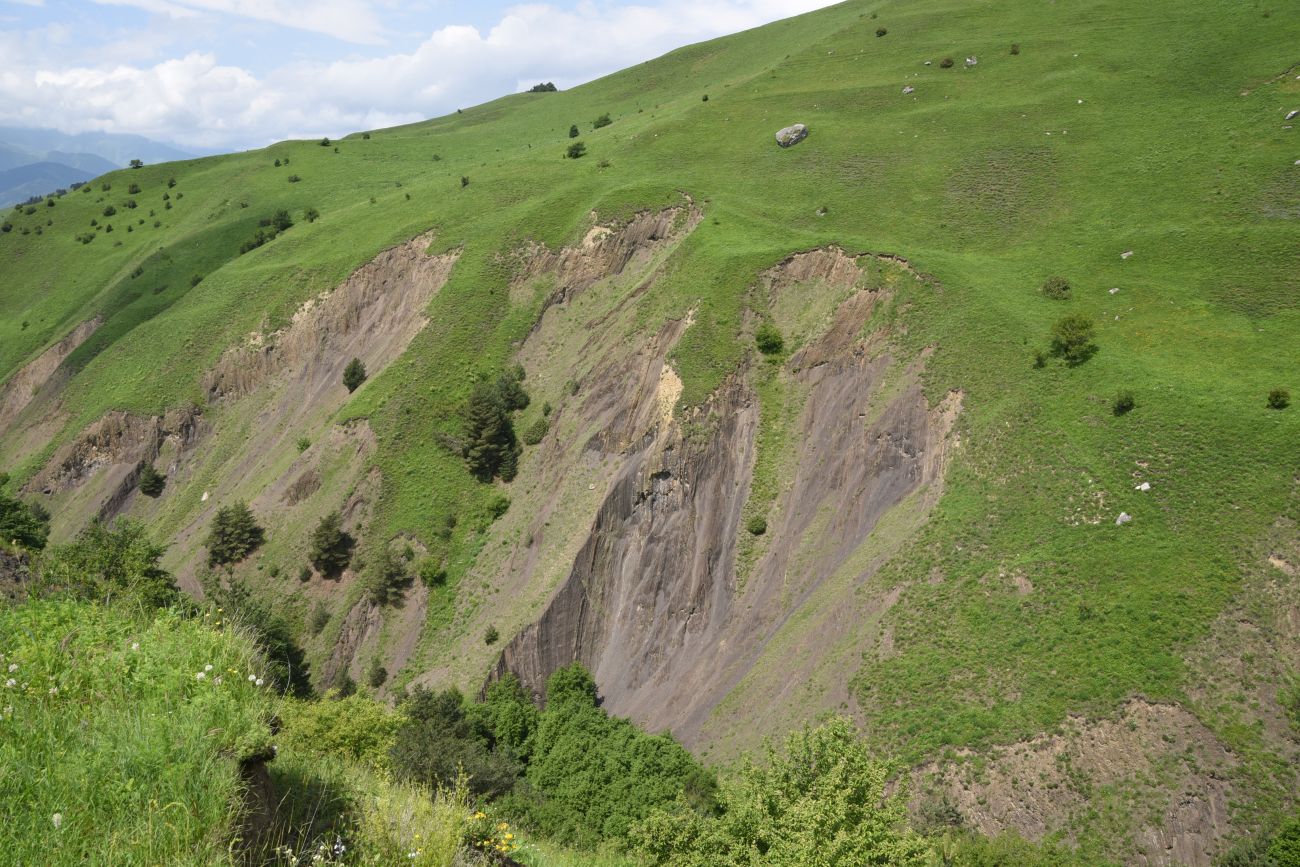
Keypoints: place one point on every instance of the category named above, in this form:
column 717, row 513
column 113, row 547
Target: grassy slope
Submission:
column 108, row 728
column 1164, row 156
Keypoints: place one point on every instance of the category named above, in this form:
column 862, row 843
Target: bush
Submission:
column 768, row 339
column 880, row 31
column 1015, row 48
column 1058, row 288
column 573, row 131
column 171, row 182
column 385, row 579
column 365, row 136
column 1279, row 398
column 311, row 215
column 293, row 179
column 1072, row 339
column 354, row 374
column 490, row 637
column 325, row 142
column 464, row 181
column 355, row 727
column 536, row 432
column 946, row 63
column 601, row 122
column 135, row 164
column 1123, row 403
column 548, row 87
column 432, row 573
column 281, row 220
column 823, row 800
column 376, row 674
column 320, row 617
column 234, row 535
column 577, row 150
column 286, row 666
column 133, row 190
column 756, row 525
column 329, row 548
column 22, row 524
column 152, row 482
column 439, row 738
column 109, row 211
column 103, row 565
column 491, row 448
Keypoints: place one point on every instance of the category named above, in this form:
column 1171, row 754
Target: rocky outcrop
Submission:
column 1157, row 755
column 23, row 386
column 651, row 603
column 112, row 451
column 373, row 315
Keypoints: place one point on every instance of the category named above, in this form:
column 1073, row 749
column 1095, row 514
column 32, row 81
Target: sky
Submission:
column 212, row 75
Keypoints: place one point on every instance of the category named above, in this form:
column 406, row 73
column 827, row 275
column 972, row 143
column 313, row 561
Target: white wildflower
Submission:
column 258, row 682
column 217, row 681
column 13, row 666
column 10, row 683
column 207, row 668
column 252, row 677
column 200, row 676
column 135, row 645
column 57, row 819
column 54, row 690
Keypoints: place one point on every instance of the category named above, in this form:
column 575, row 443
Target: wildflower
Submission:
column 217, row 681
column 10, row 683
column 252, row 677
column 135, row 645
column 503, row 826
column 54, row 690
column 258, row 682
column 13, row 666
column 57, row 819
column 200, row 676
column 207, row 668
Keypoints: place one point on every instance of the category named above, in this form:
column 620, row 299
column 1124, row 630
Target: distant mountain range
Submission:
column 34, row 162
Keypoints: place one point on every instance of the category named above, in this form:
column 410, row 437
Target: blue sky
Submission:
column 226, row 74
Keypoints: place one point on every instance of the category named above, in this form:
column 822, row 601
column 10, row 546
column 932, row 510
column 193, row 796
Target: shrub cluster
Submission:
column 491, row 448
column 234, row 535
column 329, row 548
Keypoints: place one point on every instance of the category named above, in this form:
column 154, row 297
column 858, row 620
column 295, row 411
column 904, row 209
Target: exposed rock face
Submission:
column 19, row 390
column 1160, row 753
column 376, row 312
column 652, row 604
column 111, row 452
column 791, row 135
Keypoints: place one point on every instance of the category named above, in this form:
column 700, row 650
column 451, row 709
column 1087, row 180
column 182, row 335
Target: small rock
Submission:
column 205, row 497
column 1293, row 114
column 1114, row 291
column 971, row 61
column 1124, row 518
column 929, row 63
column 1145, row 486
column 1081, row 102
column 1126, row 254
column 792, row 135
column 909, row 89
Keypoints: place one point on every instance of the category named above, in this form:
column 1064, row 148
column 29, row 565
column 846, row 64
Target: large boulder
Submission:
column 792, row 135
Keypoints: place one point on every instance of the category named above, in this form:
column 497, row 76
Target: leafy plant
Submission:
column 234, row 535
column 1279, row 398
column 151, row 482
column 1057, row 287
column 768, row 339
column 1072, row 339
column 329, row 548
column 354, row 374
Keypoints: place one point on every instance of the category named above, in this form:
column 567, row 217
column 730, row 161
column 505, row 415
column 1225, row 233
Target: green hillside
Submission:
column 1139, row 153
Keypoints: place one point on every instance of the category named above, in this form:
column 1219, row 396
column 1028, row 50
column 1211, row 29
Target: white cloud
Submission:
column 349, row 20
column 195, row 100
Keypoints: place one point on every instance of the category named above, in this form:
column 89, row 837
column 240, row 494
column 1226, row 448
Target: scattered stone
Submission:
column 1126, row 254
column 1293, row 114
column 205, row 497
column 929, row 63
column 1124, row 518
column 971, row 61
column 1145, row 486
column 1081, row 102
column 1115, row 290
column 909, row 89
column 792, row 135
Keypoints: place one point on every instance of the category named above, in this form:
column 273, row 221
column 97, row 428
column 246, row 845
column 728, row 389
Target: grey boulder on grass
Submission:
column 792, row 135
